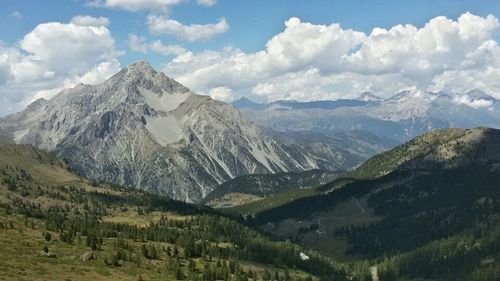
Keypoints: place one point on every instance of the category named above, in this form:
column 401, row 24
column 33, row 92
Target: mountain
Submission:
column 442, row 149
column 369, row 96
column 400, row 118
column 426, row 210
column 142, row 129
column 246, row 103
column 431, row 153
column 56, row 225
column 361, row 145
column 264, row 185
column 291, row 104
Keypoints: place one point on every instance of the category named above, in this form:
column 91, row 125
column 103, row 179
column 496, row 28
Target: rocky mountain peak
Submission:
column 37, row 103
column 143, row 129
column 140, row 76
column 140, row 66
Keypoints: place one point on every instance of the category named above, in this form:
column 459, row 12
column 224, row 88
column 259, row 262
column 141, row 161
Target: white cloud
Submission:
column 139, row 44
column 135, row 5
column 159, row 47
column 16, row 15
column 51, row 56
column 222, row 94
column 160, row 25
column 69, row 48
column 479, row 70
column 86, row 20
column 440, row 45
column 304, row 44
column 475, row 103
column 307, row 61
column 207, row 3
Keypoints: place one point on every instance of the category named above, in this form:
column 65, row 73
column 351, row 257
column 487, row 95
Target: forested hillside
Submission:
column 55, row 225
column 427, row 209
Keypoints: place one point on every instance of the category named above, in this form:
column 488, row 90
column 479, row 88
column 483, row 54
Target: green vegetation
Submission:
column 271, row 202
column 427, row 210
column 55, row 225
column 265, row 185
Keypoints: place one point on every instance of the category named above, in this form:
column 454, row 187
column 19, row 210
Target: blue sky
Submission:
column 237, row 42
column 252, row 23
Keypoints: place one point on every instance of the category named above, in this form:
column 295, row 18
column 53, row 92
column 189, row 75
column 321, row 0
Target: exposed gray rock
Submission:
column 142, row 129
column 47, row 254
column 87, row 256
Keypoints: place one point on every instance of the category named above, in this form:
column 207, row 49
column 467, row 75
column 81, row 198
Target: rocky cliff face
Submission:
column 142, row 129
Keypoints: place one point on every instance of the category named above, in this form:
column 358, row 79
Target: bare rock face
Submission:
column 142, row 129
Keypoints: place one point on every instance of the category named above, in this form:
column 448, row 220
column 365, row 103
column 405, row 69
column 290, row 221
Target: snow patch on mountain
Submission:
column 145, row 130
column 162, row 102
column 164, row 129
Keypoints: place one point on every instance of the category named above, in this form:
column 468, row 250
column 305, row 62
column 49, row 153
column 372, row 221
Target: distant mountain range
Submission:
column 400, row 118
column 142, row 129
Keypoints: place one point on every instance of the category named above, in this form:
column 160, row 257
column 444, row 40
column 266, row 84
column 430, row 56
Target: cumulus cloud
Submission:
column 222, row 94
column 86, row 20
column 135, row 5
column 160, row 25
column 440, row 45
column 138, row 44
column 54, row 55
column 309, row 61
column 208, row 3
column 55, row 44
column 479, row 70
column 475, row 103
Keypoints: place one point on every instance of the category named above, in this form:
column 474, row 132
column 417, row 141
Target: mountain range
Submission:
column 399, row 118
column 143, row 129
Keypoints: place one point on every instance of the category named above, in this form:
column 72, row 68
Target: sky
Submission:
column 265, row 50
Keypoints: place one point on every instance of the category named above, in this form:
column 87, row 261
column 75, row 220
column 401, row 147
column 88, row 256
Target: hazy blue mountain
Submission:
column 400, row 118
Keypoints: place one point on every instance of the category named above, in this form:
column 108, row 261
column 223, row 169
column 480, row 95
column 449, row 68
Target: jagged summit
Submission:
column 143, row 129
column 142, row 76
column 141, row 65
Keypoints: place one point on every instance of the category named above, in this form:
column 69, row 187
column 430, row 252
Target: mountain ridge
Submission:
column 405, row 211
column 143, row 129
column 401, row 117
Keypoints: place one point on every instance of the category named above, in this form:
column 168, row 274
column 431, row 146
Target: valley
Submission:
column 419, row 200
column 218, row 140
column 369, row 222
column 55, row 224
